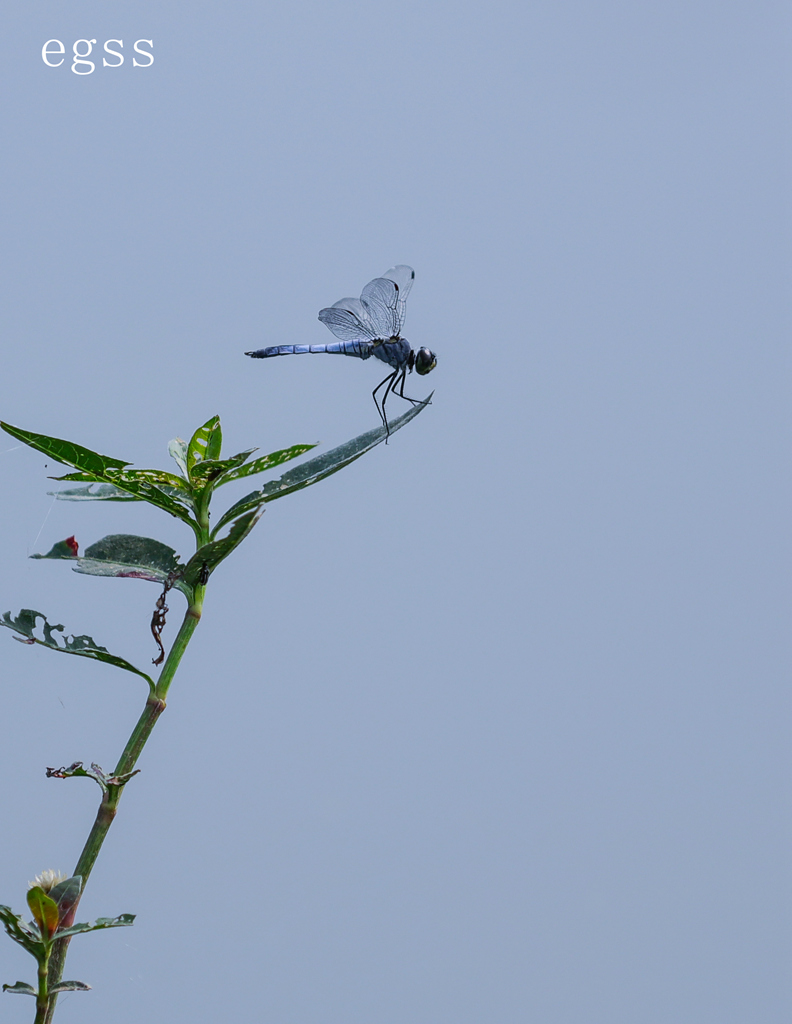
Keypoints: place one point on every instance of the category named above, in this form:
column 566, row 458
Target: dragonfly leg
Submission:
column 401, row 394
column 389, row 382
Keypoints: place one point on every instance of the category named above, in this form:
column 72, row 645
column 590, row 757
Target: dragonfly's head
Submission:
column 425, row 361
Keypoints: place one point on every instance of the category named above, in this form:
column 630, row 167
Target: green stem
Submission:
column 42, row 997
column 155, row 705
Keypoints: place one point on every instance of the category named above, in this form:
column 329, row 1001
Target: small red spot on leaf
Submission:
column 75, row 547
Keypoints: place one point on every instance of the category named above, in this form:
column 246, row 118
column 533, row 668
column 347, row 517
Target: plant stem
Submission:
column 43, row 997
column 155, row 705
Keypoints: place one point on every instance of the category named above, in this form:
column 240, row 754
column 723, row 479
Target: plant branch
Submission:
column 155, row 705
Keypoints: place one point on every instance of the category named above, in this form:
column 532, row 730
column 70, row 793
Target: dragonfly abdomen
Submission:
column 360, row 349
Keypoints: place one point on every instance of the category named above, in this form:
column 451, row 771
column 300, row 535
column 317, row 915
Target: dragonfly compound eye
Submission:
column 425, row 361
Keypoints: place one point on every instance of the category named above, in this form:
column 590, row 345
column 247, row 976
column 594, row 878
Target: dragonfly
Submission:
column 371, row 326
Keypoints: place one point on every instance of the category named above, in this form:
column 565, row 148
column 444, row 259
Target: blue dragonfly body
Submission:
column 371, row 326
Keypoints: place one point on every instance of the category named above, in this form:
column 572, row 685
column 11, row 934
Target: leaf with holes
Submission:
column 205, row 443
column 84, row 646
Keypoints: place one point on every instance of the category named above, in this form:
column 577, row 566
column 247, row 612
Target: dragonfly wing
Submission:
column 386, row 297
column 380, row 297
column 349, row 320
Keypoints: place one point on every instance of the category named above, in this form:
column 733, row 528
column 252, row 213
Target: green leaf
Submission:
column 100, row 923
column 210, row 469
column 67, row 452
column 104, row 492
column 266, row 462
column 69, row 986
column 177, row 449
column 97, row 468
column 205, row 443
column 29, row 937
column 84, row 646
column 317, row 469
column 146, row 491
column 44, row 910
column 128, row 555
column 134, row 489
column 63, row 549
column 22, row 988
column 170, row 484
column 206, row 559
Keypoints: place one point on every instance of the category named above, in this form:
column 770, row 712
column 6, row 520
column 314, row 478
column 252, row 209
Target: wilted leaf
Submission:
column 206, row 559
column 100, row 492
column 67, row 452
column 84, row 646
column 70, row 986
column 44, row 910
column 22, row 988
column 322, row 466
column 63, row 549
column 98, row 925
column 76, row 771
column 177, row 449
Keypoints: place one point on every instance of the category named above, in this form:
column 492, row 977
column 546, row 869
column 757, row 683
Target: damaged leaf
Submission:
column 26, row 622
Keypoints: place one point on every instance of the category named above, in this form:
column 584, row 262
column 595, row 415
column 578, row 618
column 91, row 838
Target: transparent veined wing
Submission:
column 349, row 320
column 403, row 277
column 385, row 299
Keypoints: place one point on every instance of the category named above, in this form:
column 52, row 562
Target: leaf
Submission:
column 141, row 557
column 63, row 549
column 102, row 468
column 146, row 491
column 76, row 771
column 266, row 462
column 22, row 988
column 20, row 931
column 69, row 986
column 205, row 443
column 206, row 559
column 84, row 646
column 177, row 449
column 104, row 492
column 44, row 910
column 67, row 452
column 67, row 895
column 100, row 923
column 317, row 469
column 211, row 469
